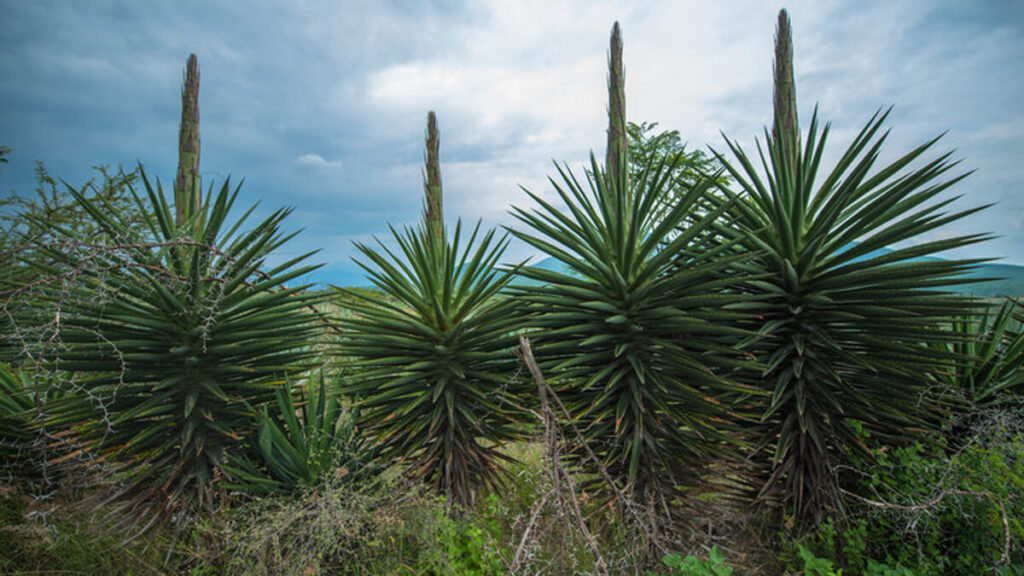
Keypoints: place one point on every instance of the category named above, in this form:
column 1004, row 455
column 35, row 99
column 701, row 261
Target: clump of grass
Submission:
column 53, row 536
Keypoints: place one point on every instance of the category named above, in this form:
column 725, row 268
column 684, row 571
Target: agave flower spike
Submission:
column 617, row 154
column 187, row 190
column 434, row 215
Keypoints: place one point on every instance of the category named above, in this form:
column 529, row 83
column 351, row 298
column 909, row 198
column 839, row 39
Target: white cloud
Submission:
column 317, row 161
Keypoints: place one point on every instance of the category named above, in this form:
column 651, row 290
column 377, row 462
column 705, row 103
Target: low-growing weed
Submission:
column 692, row 566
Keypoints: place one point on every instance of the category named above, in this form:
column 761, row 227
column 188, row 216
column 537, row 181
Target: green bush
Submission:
column 462, row 547
column 927, row 509
column 307, row 438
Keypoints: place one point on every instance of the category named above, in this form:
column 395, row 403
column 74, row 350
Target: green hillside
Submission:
column 1002, row 279
column 1006, row 280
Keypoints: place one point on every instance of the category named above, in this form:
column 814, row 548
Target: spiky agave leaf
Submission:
column 436, row 354
column 179, row 337
column 845, row 319
column 633, row 340
column 17, row 420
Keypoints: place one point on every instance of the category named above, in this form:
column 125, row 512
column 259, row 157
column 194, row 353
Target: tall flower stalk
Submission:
column 617, row 151
column 187, row 187
column 433, row 213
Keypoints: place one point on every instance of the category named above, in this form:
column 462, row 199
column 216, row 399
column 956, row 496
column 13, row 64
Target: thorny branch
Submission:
column 563, row 486
column 925, row 506
column 559, row 474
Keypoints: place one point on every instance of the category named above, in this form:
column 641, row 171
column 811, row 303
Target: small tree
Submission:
column 648, row 147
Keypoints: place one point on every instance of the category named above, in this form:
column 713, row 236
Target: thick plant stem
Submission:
column 433, row 217
column 187, row 191
column 785, row 124
column 617, row 155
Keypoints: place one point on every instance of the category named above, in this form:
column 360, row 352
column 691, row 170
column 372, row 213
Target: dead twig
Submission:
column 559, row 475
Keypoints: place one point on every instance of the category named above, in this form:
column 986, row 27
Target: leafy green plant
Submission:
column 815, row 566
column 882, row 569
column 178, row 337
column 462, row 548
column 929, row 509
column 435, row 347
column 692, row 566
column 648, row 146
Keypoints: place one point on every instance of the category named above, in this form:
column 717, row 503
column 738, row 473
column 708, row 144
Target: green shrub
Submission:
column 925, row 509
column 462, row 547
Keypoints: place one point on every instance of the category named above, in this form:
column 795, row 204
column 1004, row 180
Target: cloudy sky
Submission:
column 321, row 104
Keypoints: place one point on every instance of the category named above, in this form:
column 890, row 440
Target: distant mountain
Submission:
column 548, row 263
column 1008, row 279
column 1005, row 279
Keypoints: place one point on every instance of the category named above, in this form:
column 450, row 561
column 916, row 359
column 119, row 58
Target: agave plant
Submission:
column 635, row 340
column 847, row 321
column 845, row 317
column 637, row 335
column 308, row 439
column 990, row 353
column 436, row 350
column 178, row 337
